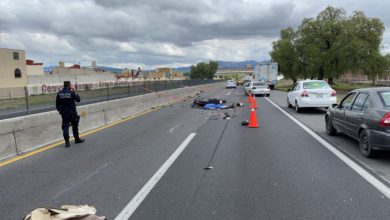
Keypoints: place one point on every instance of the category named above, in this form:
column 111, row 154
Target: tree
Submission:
column 375, row 66
column 213, row 69
column 365, row 36
column 324, row 35
column 204, row 70
column 308, row 58
column 283, row 52
column 330, row 45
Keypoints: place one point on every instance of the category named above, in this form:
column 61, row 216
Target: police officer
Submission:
column 66, row 106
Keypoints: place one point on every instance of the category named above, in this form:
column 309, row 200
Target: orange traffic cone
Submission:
column 254, row 104
column 253, row 120
column 250, row 100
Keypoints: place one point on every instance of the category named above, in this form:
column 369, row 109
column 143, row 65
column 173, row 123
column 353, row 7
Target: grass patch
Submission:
column 45, row 99
column 284, row 85
column 341, row 86
column 49, row 99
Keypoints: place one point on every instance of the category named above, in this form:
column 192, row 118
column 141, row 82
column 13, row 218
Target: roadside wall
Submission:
column 23, row 134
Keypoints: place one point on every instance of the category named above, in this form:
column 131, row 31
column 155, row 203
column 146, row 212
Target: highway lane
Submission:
column 314, row 118
column 105, row 171
column 275, row 172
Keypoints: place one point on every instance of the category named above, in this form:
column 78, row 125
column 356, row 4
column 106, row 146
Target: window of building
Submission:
column 16, row 56
column 18, row 73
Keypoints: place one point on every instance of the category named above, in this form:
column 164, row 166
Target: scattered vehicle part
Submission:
column 245, row 123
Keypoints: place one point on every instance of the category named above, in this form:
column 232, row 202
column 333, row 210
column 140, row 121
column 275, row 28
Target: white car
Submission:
column 257, row 88
column 231, row 84
column 311, row 94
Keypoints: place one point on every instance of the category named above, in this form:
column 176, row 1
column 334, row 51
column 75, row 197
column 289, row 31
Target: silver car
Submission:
column 364, row 114
column 257, row 88
column 231, row 84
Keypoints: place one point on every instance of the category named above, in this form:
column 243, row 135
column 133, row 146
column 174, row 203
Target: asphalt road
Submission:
column 315, row 119
column 277, row 171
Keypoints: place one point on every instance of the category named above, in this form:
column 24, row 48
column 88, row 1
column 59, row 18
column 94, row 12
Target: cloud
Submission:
column 154, row 33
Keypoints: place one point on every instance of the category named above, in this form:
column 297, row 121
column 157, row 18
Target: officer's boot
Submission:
column 78, row 140
column 67, row 143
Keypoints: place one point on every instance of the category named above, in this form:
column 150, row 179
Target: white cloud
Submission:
column 152, row 33
column 127, row 47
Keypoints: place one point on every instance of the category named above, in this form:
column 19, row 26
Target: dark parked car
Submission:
column 364, row 114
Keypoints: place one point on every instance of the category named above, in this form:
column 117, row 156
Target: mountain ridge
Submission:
column 221, row 65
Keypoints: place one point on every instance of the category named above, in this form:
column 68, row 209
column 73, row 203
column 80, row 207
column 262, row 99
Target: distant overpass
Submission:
column 222, row 72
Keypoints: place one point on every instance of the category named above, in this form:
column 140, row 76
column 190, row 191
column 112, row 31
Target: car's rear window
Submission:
column 316, row 85
column 385, row 97
column 259, row 84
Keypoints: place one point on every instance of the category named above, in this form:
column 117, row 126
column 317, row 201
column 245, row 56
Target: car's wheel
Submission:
column 297, row 108
column 268, row 95
column 330, row 130
column 288, row 103
column 365, row 145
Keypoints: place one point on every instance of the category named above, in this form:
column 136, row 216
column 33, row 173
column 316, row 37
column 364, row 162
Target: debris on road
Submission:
column 211, row 106
column 66, row 212
column 220, row 110
column 208, row 168
column 200, row 102
column 245, row 123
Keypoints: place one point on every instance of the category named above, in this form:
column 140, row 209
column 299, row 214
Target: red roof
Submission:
column 31, row 62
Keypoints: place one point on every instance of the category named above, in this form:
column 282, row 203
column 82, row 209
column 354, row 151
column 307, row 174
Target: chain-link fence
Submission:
column 19, row 101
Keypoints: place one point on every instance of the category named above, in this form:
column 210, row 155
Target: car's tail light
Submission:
column 385, row 120
column 304, row 94
column 333, row 93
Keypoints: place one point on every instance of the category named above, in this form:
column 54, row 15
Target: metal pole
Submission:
column 108, row 91
column 144, row 86
column 128, row 87
column 27, row 101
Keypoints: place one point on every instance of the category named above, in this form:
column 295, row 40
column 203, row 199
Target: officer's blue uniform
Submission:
column 66, row 106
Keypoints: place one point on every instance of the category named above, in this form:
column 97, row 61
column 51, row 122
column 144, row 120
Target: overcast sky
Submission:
column 150, row 33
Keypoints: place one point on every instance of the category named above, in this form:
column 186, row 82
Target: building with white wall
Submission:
column 34, row 69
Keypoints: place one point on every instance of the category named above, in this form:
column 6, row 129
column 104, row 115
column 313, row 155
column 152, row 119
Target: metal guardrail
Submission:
column 17, row 102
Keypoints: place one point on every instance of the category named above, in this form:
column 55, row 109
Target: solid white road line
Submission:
column 358, row 169
column 145, row 190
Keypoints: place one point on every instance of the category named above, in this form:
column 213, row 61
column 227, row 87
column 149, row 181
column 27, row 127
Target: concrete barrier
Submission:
column 22, row 134
column 7, row 139
column 34, row 131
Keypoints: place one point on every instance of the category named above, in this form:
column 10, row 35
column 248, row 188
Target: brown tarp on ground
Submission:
column 66, row 212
